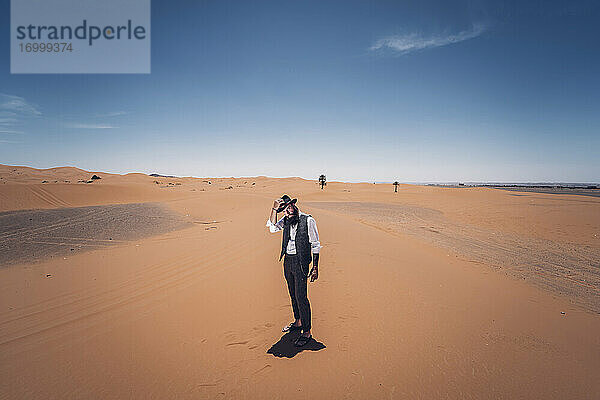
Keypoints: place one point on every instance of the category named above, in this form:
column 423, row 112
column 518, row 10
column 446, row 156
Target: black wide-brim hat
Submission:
column 286, row 202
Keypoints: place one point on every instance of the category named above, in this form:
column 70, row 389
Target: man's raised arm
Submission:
column 272, row 223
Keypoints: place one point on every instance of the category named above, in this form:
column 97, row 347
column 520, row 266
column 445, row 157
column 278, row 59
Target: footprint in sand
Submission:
column 237, row 343
column 343, row 346
column 262, row 369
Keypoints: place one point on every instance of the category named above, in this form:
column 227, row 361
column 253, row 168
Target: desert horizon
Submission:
column 491, row 182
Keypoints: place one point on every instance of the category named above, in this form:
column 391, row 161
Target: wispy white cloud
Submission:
column 112, row 114
column 90, row 126
column 407, row 43
column 16, row 105
column 96, row 121
column 15, row 111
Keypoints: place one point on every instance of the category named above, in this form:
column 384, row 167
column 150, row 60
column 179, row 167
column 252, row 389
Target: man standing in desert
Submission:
column 300, row 245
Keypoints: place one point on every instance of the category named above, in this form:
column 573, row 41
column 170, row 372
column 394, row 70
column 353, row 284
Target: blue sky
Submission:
column 360, row 91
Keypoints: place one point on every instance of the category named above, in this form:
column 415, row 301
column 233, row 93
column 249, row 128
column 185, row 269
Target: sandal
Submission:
column 291, row 327
column 302, row 340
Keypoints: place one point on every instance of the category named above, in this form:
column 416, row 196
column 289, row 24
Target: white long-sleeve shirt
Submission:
column 313, row 234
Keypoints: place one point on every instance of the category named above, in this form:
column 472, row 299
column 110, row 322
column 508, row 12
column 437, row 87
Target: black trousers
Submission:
column 297, row 278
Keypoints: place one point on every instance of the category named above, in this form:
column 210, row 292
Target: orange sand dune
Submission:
column 194, row 313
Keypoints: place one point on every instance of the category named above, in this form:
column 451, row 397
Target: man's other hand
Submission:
column 314, row 275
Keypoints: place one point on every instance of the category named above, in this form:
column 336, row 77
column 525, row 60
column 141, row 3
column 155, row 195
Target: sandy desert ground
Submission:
column 133, row 286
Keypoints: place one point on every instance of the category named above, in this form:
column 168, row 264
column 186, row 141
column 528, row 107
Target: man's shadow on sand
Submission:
column 285, row 346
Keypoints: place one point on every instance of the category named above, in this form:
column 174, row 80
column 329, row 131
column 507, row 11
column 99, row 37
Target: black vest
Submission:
column 303, row 249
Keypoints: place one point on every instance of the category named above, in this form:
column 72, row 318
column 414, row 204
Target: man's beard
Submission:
column 292, row 220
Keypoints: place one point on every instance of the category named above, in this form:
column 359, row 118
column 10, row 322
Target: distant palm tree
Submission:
column 396, row 187
column 322, row 181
